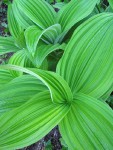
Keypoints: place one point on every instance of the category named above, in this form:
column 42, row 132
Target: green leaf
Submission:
column 59, row 5
column 18, row 91
column 107, row 94
column 75, row 11
column 20, row 40
column 88, row 125
column 7, row 45
column 44, row 65
column 14, row 27
column 110, row 101
column 30, row 122
column 44, row 50
column 21, row 18
column 87, row 61
column 109, row 9
column 111, row 3
column 33, row 35
column 20, row 59
column 40, row 12
column 58, row 87
column 5, row 77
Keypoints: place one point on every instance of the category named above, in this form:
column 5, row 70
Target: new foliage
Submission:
column 32, row 100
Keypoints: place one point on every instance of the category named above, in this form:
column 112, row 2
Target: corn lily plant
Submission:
column 37, row 29
column 73, row 97
column 58, row 3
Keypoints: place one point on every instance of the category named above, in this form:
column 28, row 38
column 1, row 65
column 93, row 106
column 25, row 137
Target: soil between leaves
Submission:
column 49, row 142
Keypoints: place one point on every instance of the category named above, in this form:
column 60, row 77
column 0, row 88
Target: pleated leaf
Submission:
column 59, row 5
column 5, row 77
column 30, row 122
column 88, row 125
column 111, row 3
column 7, row 45
column 20, row 59
column 14, row 27
column 21, row 18
column 87, row 62
column 33, row 35
column 44, row 50
column 18, row 91
column 40, row 12
column 109, row 9
column 58, row 87
column 74, row 12
column 107, row 94
column 20, row 40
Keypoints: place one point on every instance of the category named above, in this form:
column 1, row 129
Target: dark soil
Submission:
column 49, row 142
column 3, row 19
